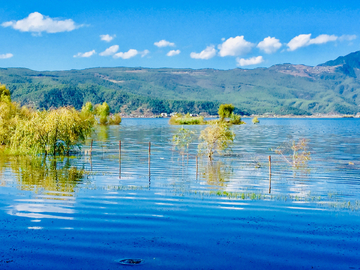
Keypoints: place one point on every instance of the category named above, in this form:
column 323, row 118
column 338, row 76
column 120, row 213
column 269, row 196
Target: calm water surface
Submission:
column 88, row 212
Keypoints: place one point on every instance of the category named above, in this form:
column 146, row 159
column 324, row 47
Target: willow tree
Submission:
column 217, row 137
column 103, row 112
column 225, row 110
column 57, row 131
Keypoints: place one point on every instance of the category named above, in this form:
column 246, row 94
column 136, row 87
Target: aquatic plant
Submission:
column 255, row 120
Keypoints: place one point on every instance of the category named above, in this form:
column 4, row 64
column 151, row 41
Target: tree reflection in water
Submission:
column 216, row 173
column 56, row 176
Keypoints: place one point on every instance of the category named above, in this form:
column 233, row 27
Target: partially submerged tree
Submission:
column 183, row 138
column 57, row 131
column 295, row 154
column 225, row 111
column 103, row 111
column 216, row 137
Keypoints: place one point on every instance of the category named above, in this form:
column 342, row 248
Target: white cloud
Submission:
column 235, row 46
column 107, row 38
column 269, row 45
column 38, row 23
column 298, row 42
column 306, row 40
column 126, row 55
column 110, row 51
column 86, row 54
column 208, row 53
column 173, row 52
column 250, row 61
column 144, row 53
column 347, row 37
column 164, row 43
column 323, row 39
column 6, row 55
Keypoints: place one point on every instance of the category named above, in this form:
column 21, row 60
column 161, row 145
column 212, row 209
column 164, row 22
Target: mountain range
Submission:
column 331, row 87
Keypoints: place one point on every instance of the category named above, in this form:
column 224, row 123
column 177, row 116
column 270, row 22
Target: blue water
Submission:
column 90, row 212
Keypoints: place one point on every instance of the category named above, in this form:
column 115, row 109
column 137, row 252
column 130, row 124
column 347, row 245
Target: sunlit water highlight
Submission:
column 90, row 213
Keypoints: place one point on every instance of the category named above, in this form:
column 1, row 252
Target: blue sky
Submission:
column 63, row 35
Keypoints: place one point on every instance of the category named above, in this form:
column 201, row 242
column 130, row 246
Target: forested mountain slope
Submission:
column 282, row 89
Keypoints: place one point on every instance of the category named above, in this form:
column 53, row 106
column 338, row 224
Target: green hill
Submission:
column 281, row 89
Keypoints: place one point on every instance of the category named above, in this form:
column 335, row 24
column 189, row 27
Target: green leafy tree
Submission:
column 103, row 111
column 225, row 110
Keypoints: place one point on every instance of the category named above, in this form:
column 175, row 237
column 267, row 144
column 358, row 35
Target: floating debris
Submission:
column 131, row 261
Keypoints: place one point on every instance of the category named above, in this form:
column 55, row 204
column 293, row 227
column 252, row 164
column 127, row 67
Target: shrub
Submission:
column 216, row 137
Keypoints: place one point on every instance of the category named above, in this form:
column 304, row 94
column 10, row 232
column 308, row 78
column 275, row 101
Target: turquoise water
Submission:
column 88, row 212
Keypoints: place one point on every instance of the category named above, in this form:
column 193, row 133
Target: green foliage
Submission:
column 57, row 131
column 103, row 112
column 88, row 108
column 179, row 119
column 216, row 137
column 4, row 94
column 235, row 119
column 225, row 110
column 183, row 138
column 115, row 119
column 255, row 120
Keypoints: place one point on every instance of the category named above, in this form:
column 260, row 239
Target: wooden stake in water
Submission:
column 149, row 158
column 269, row 174
column 119, row 159
column 91, row 147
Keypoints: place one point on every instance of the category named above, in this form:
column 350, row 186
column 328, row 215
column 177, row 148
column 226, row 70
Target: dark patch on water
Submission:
column 131, row 261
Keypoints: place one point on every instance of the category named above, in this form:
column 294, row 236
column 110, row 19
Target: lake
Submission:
column 183, row 212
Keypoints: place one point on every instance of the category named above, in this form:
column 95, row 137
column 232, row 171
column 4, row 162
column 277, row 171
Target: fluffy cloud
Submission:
column 269, row 45
column 235, row 46
column 306, row 40
column 208, row 53
column 298, row 42
column 164, row 43
column 37, row 23
column 130, row 53
column 110, row 51
column 251, row 61
column 86, row 54
column 107, row 38
column 6, row 55
column 173, row 52
column 126, row 55
column 323, row 39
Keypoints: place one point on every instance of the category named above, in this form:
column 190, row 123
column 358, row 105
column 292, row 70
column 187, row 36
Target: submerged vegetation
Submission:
column 217, row 137
column 295, row 154
column 24, row 130
column 186, row 119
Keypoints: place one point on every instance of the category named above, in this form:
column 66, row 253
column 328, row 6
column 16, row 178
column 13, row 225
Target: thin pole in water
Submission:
column 149, row 158
column 119, row 159
column 91, row 148
column 269, row 174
